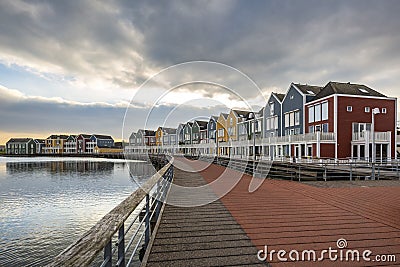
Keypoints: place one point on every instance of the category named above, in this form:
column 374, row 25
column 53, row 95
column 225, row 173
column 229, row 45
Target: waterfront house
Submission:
column 345, row 111
column 149, row 138
column 199, row 132
column 2, row 149
column 293, row 112
column 180, row 134
column 70, row 145
column 169, row 136
column 234, row 118
column 100, row 141
column 273, row 124
column 81, row 143
column 211, row 128
column 187, row 133
column 132, row 139
column 40, row 144
column 222, row 133
column 21, row 146
column 55, row 144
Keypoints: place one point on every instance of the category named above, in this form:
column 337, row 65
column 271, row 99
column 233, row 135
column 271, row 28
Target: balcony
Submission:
column 366, row 136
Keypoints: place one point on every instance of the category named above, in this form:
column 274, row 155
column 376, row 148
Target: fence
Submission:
column 139, row 211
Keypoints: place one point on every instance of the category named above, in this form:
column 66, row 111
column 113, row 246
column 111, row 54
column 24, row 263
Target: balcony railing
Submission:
column 379, row 136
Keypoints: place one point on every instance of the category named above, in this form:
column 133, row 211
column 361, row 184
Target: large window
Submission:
column 287, row 120
column 311, row 114
column 291, row 118
column 297, row 118
column 317, row 110
column 272, row 108
column 324, row 109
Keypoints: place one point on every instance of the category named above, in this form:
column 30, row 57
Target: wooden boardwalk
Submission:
column 280, row 214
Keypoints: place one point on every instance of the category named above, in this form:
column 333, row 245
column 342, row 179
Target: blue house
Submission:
column 273, row 115
column 293, row 111
column 211, row 128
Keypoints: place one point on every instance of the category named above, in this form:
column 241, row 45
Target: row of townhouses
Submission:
column 338, row 120
column 64, row 144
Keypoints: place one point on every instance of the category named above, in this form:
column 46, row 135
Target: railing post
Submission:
column 299, row 173
column 108, row 254
column 351, row 171
column 121, row 247
column 147, row 222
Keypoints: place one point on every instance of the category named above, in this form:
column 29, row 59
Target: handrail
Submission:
column 88, row 246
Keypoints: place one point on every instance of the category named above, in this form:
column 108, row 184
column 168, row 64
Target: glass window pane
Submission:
column 317, row 112
column 311, row 114
column 292, row 119
column 287, row 120
column 325, row 111
column 297, row 117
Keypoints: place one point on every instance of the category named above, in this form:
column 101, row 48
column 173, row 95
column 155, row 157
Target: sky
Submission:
column 104, row 66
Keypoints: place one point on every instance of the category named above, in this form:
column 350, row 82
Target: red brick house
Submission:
column 347, row 109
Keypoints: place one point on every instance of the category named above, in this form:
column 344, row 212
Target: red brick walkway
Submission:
column 290, row 215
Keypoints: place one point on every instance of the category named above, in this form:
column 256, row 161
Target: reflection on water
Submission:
column 45, row 205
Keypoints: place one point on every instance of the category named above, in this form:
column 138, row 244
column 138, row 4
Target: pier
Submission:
column 282, row 214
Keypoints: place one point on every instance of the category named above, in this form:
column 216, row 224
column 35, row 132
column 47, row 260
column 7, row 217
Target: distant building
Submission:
column 40, row 144
column 81, row 143
column 55, row 144
column 21, row 146
column 70, row 145
column 2, row 149
column 101, row 141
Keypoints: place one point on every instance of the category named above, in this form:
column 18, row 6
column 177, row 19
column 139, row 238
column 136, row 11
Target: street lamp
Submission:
column 375, row 111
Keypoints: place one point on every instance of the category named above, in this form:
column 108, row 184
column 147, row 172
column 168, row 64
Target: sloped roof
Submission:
column 241, row 113
column 347, row 89
column 100, row 136
column 308, row 89
column 58, row 136
column 202, row 124
column 85, row 135
column 169, row 130
column 225, row 115
column 149, row 133
column 19, row 140
column 280, row 97
column 214, row 117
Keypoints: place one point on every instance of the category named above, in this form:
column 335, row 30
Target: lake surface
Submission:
column 47, row 203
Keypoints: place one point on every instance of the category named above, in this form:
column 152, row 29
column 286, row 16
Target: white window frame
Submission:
column 349, row 108
column 367, row 109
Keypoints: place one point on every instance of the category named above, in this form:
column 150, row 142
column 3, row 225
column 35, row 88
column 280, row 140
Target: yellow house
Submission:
column 221, row 127
column 54, row 144
column 235, row 117
column 159, row 136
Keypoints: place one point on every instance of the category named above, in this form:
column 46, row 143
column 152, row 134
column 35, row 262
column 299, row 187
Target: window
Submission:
column 297, row 131
column 287, row 120
column 384, row 111
column 291, row 118
column 311, row 114
column 310, row 129
column 325, row 127
column 231, row 121
column 363, row 90
column 324, row 110
column 292, row 96
column 297, row 118
column 317, row 128
column 349, row 108
column 367, row 109
column 271, row 108
column 276, row 122
column 317, row 115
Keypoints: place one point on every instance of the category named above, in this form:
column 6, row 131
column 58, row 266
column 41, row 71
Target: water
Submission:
column 47, row 203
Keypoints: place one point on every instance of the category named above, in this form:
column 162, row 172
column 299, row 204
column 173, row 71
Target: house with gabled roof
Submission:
column 70, row 146
column 293, row 112
column 21, row 146
column 212, row 128
column 347, row 111
column 81, row 143
column 199, row 132
column 55, row 144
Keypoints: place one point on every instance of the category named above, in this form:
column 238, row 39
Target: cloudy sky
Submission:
column 75, row 66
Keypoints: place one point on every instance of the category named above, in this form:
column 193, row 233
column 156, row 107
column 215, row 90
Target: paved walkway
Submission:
column 283, row 215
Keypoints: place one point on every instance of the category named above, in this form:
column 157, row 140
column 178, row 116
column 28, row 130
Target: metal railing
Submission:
column 138, row 212
column 321, row 170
